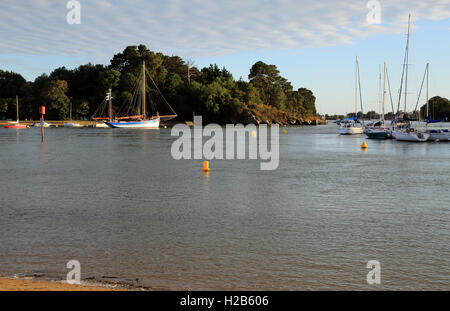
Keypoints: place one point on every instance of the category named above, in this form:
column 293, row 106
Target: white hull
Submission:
column 100, row 125
column 351, row 130
column 442, row 136
column 413, row 136
column 148, row 124
column 39, row 124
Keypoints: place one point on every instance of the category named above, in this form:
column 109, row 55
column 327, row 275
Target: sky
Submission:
column 313, row 43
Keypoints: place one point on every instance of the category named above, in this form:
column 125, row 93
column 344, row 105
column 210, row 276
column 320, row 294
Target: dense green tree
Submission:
column 210, row 91
column 56, row 99
column 439, row 108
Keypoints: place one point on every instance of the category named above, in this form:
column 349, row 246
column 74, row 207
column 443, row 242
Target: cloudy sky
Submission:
column 313, row 43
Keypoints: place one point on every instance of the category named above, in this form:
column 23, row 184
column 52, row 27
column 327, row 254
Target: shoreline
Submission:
column 8, row 284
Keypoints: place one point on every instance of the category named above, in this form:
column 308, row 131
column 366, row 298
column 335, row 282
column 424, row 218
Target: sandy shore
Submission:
column 31, row 285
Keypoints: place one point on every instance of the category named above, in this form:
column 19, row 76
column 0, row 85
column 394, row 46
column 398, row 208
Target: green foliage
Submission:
column 211, row 91
column 56, row 99
column 439, row 108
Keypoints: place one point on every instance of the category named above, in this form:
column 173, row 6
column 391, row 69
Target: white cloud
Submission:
column 198, row 27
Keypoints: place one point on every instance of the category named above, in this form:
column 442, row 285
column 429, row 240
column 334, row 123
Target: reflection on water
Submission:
column 116, row 201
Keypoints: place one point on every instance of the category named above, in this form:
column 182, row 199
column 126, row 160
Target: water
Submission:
column 116, row 201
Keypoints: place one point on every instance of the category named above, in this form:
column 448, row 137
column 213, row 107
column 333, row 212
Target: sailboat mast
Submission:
column 110, row 104
column 17, row 108
column 379, row 90
column 384, row 92
column 407, row 60
column 144, row 113
column 428, row 105
column 356, row 87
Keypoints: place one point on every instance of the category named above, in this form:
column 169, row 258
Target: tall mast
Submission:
column 17, row 108
column 110, row 104
column 428, row 106
column 379, row 90
column 407, row 60
column 144, row 113
column 384, row 92
column 356, row 87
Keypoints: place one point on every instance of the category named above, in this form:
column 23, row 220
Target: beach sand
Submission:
column 31, row 285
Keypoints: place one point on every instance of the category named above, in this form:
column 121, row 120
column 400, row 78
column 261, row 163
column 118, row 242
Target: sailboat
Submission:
column 135, row 114
column 379, row 131
column 351, row 126
column 16, row 124
column 71, row 124
column 403, row 131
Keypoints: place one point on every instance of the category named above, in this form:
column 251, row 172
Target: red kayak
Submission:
column 16, row 126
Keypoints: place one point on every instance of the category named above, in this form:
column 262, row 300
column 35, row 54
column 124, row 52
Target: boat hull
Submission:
column 413, row 136
column 377, row 134
column 16, row 126
column 440, row 135
column 147, row 124
column 351, row 130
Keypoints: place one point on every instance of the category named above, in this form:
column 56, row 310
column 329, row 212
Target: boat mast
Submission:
column 384, row 92
column 356, row 87
column 110, row 104
column 407, row 60
column 144, row 113
column 379, row 90
column 428, row 106
column 17, row 108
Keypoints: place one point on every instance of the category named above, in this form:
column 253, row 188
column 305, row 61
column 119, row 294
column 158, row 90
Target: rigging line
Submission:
column 390, row 94
column 360, row 94
column 421, row 87
column 160, row 92
column 401, row 85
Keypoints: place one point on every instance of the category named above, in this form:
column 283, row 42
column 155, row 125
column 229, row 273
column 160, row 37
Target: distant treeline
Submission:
column 211, row 92
column 438, row 109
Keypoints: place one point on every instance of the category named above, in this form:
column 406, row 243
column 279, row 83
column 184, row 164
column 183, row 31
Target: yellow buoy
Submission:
column 284, row 132
column 205, row 166
column 364, row 145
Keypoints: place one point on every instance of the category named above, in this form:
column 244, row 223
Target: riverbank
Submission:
column 33, row 285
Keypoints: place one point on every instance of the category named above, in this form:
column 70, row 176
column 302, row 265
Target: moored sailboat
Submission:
column 136, row 115
column 352, row 126
column 405, row 132
column 379, row 131
column 16, row 124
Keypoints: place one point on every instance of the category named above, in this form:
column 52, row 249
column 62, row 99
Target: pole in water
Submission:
column 42, row 112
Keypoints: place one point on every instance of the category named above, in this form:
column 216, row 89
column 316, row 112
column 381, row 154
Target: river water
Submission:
column 117, row 202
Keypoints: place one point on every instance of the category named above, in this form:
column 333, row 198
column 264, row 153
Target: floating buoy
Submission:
column 284, row 132
column 364, row 145
column 205, row 166
column 254, row 134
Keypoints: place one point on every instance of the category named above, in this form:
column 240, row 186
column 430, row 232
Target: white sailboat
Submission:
column 139, row 117
column 379, row 131
column 351, row 126
column 406, row 132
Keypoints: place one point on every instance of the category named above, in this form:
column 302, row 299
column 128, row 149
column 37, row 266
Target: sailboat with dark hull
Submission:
column 135, row 113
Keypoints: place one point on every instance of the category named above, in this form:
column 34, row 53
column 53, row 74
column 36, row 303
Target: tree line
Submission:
column 211, row 91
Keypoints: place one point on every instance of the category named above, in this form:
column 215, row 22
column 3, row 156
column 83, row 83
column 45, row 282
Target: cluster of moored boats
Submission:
column 398, row 129
column 401, row 128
